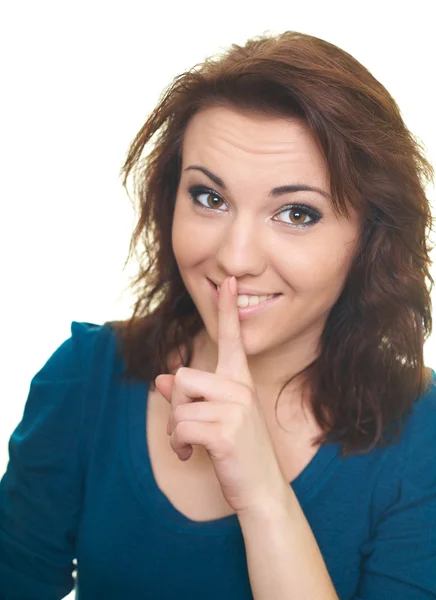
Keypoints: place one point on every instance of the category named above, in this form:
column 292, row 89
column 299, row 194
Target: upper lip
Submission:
column 242, row 289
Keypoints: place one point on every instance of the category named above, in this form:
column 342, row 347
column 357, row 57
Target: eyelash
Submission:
column 196, row 191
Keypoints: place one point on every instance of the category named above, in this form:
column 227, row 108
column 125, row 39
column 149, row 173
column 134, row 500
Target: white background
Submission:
column 78, row 80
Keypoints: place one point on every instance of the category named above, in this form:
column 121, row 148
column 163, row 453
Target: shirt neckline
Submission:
column 305, row 485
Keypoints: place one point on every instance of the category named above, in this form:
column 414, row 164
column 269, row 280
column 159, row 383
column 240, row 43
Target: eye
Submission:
column 212, row 201
column 302, row 212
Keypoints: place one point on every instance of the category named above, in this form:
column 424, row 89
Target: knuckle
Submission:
column 175, row 437
column 223, row 440
column 178, row 413
column 182, row 430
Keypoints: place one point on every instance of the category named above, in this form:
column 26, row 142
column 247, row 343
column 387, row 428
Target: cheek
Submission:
column 315, row 270
column 191, row 241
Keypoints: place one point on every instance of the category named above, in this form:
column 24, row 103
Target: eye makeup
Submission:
column 314, row 215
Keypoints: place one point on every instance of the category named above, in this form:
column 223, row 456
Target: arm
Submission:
column 398, row 560
column 284, row 560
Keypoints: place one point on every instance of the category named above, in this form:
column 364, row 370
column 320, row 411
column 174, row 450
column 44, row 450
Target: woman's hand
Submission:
column 229, row 422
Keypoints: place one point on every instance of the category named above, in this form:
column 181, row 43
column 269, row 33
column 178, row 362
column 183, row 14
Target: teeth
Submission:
column 245, row 300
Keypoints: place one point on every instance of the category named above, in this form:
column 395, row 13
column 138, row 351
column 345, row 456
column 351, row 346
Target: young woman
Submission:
column 263, row 426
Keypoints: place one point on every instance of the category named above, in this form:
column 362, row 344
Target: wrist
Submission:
column 273, row 508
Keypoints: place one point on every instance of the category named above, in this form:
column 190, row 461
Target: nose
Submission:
column 240, row 250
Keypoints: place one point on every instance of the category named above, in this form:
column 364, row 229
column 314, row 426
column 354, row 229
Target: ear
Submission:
column 164, row 385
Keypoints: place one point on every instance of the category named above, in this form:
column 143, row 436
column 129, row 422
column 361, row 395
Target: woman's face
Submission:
column 240, row 226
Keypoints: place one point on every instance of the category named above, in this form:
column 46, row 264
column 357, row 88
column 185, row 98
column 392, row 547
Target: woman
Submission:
column 263, row 426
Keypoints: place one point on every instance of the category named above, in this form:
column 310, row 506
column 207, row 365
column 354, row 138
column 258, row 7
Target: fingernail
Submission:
column 232, row 285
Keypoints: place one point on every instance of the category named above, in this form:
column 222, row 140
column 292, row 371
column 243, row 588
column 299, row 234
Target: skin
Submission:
column 253, row 239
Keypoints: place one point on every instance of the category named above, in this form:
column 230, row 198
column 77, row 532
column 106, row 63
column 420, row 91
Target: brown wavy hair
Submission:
column 370, row 370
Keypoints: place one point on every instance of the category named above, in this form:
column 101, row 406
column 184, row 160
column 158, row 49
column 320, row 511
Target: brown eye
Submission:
column 303, row 216
column 205, row 198
column 300, row 215
column 213, row 200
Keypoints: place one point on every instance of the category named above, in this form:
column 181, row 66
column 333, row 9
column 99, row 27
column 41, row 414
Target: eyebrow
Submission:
column 274, row 193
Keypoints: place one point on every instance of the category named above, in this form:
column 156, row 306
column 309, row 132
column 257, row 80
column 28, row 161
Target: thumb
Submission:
column 164, row 384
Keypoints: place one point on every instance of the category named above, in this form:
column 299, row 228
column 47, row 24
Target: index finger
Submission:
column 232, row 360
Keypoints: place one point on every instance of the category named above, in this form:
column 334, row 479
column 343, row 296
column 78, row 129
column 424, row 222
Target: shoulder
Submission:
column 410, row 464
column 65, row 394
column 65, row 397
column 420, row 424
column 70, row 358
column 90, row 339
column 90, row 351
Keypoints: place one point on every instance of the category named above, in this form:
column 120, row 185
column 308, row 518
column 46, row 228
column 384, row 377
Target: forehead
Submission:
column 258, row 141
column 252, row 132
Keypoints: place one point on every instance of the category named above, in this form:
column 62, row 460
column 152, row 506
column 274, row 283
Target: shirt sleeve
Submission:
column 400, row 560
column 40, row 493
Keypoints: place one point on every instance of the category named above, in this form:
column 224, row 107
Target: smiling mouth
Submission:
column 248, row 301
column 249, row 305
column 246, row 294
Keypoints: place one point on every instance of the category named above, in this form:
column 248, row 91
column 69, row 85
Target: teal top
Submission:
column 79, row 485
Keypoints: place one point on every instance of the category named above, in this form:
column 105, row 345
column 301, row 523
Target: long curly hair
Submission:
column 370, row 369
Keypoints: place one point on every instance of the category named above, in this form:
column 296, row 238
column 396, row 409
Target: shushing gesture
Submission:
column 229, row 422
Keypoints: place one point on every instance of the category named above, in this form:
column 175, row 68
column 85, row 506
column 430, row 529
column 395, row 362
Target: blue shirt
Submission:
column 79, row 485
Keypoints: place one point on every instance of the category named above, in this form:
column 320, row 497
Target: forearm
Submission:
column 284, row 560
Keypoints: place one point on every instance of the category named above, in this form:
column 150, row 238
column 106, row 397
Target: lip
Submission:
column 248, row 311
column 245, row 290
